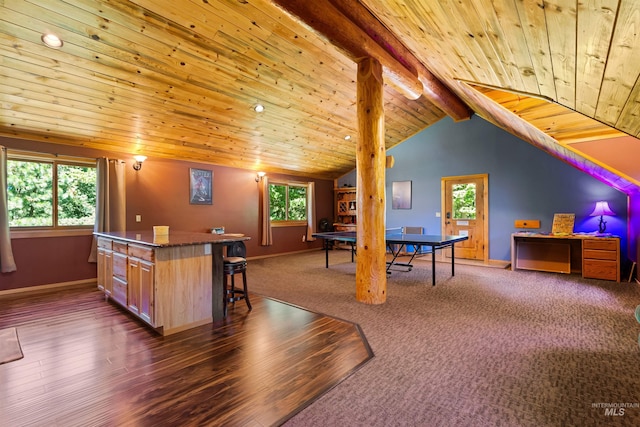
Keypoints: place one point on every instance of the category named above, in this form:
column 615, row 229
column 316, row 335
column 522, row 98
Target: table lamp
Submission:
column 602, row 208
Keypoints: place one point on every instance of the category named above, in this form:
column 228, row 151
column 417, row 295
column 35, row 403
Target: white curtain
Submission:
column 7, row 263
column 265, row 226
column 110, row 199
column 311, row 211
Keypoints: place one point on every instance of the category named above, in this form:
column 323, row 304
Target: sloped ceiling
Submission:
column 180, row 79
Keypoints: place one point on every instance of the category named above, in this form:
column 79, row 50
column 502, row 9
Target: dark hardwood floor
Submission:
column 87, row 362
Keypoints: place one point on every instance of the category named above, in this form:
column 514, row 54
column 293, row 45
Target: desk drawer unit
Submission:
column 120, row 266
column 120, row 247
column 601, row 259
column 104, row 243
column 141, row 252
column 119, row 292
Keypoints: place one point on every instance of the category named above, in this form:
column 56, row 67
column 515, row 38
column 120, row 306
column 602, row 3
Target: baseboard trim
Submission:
column 83, row 282
column 283, row 253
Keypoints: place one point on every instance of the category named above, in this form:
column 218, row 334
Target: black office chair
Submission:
column 235, row 262
column 419, row 250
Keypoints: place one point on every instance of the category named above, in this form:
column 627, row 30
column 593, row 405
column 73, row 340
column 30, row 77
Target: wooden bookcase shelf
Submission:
column 346, row 207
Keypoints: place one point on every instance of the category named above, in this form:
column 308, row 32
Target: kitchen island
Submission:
column 172, row 282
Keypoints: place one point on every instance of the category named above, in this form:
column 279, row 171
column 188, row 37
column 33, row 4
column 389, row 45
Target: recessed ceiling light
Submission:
column 51, row 40
column 347, row 137
column 258, row 108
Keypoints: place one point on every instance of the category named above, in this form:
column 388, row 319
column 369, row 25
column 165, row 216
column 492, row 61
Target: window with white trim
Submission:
column 288, row 203
column 50, row 192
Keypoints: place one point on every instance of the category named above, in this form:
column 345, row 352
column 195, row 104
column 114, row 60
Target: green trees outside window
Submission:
column 30, row 194
column 33, row 186
column 464, row 201
column 76, row 195
column 288, row 202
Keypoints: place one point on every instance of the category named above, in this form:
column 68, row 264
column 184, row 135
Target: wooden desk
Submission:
column 592, row 256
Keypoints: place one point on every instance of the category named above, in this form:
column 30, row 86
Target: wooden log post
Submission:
column 371, row 274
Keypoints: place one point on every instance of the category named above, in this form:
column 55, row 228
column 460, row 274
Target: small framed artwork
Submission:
column 401, row 195
column 563, row 223
column 200, row 186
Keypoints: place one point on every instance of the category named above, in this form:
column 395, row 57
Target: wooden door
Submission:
column 465, row 206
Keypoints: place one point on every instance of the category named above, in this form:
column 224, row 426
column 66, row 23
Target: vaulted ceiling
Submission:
column 180, row 79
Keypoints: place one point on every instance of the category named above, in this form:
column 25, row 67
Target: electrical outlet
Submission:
column 138, row 218
column 304, row 237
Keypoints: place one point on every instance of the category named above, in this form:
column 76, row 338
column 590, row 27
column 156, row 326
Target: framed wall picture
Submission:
column 401, row 195
column 200, row 186
column 563, row 223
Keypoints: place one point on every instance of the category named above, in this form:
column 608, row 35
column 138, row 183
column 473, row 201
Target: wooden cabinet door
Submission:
column 147, row 291
column 141, row 289
column 133, row 291
column 101, row 267
column 108, row 272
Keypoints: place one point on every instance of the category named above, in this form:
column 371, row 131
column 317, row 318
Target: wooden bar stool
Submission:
column 235, row 262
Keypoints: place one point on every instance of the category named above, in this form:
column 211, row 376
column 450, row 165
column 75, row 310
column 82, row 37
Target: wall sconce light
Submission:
column 138, row 164
column 259, row 176
column 602, row 208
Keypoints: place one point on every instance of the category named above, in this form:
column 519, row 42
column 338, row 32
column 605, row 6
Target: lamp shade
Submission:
column 602, row 208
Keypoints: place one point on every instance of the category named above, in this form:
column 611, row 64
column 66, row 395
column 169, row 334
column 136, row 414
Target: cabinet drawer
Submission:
column 120, row 247
column 119, row 292
column 141, row 252
column 104, row 243
column 598, row 254
column 599, row 269
column 120, row 266
column 610, row 245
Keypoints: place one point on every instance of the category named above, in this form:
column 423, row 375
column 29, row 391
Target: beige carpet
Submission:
column 488, row 347
column 9, row 346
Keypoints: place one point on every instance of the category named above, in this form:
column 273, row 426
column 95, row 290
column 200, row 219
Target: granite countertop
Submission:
column 174, row 238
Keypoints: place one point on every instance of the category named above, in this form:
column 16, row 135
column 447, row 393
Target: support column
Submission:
column 371, row 275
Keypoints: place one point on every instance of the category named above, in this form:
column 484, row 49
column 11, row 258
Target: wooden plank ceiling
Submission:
column 179, row 79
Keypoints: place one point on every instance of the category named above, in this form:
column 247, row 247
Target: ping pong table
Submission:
column 396, row 242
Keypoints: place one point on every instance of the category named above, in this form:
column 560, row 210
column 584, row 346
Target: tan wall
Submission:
column 160, row 194
column 49, row 260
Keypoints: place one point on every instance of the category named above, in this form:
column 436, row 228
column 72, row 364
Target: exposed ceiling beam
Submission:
column 322, row 17
column 434, row 89
column 325, row 18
